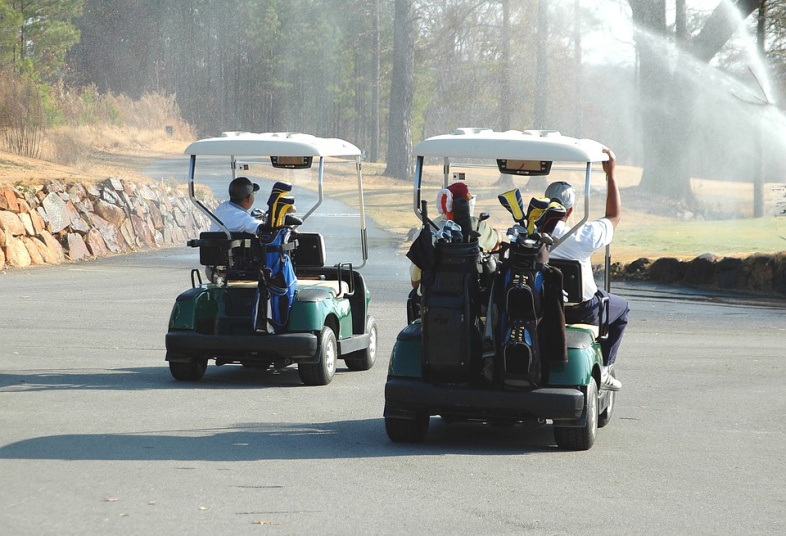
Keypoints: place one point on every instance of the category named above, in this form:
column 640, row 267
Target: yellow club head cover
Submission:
column 512, row 201
column 537, row 205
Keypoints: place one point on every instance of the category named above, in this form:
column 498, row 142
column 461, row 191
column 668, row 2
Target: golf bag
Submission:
column 517, row 299
column 452, row 331
column 277, row 281
column 527, row 311
column 450, row 315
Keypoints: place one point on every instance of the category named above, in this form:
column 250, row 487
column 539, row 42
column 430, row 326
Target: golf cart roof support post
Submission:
column 362, row 203
column 364, row 247
column 419, row 204
column 575, row 228
column 320, row 188
column 202, row 208
column 445, row 172
column 418, row 180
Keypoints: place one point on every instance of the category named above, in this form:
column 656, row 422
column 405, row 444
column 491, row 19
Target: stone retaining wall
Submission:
column 59, row 222
column 760, row 273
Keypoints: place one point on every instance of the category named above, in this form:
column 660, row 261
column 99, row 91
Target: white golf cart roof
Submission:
column 511, row 144
column 272, row 144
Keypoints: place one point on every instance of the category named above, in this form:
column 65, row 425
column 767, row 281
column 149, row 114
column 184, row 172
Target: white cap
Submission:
column 562, row 192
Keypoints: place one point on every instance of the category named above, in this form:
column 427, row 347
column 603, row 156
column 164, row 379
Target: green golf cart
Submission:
column 486, row 339
column 269, row 299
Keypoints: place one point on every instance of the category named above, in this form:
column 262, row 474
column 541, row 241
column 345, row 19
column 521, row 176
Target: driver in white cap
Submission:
column 589, row 238
column 234, row 212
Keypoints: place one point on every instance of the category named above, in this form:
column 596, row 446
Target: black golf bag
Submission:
column 517, row 297
column 449, row 301
column 450, row 315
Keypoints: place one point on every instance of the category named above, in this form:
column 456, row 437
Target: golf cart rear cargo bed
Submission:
column 290, row 345
column 403, row 396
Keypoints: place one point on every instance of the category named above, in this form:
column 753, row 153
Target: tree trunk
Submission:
column 505, row 102
column 681, row 22
column 758, row 170
column 577, row 70
column 399, row 155
column 659, row 123
column 664, row 100
column 375, row 82
column 540, row 113
column 719, row 27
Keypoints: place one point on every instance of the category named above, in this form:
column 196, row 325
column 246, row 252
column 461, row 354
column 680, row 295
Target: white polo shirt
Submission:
column 235, row 218
column 580, row 246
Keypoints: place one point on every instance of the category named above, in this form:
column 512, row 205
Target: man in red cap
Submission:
column 489, row 239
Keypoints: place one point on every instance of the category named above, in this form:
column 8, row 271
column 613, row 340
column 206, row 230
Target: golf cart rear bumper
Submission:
column 405, row 398
column 294, row 346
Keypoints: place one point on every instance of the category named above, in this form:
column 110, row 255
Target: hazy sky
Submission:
column 613, row 43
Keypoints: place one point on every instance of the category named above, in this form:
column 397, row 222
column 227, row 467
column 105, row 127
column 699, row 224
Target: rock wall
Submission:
column 760, row 273
column 59, row 222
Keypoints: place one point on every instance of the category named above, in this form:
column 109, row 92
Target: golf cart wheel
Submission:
column 571, row 438
column 407, row 430
column 605, row 417
column 321, row 373
column 188, row 371
column 364, row 359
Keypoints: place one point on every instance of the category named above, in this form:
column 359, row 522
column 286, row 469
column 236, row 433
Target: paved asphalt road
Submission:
column 96, row 437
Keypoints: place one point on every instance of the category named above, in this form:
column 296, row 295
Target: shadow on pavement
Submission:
column 147, row 378
column 365, row 438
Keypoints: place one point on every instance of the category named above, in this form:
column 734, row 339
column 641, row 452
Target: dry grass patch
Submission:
column 89, row 155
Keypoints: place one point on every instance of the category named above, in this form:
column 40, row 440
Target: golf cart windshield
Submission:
column 295, row 158
column 481, row 156
column 492, row 162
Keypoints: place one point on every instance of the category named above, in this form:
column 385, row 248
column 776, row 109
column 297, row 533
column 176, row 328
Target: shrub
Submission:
column 21, row 116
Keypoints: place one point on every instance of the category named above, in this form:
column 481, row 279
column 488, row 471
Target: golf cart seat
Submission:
column 310, row 251
column 571, row 279
column 234, row 256
column 309, row 260
column 573, row 287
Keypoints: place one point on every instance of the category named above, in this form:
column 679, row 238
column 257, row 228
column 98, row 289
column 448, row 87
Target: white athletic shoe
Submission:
column 609, row 382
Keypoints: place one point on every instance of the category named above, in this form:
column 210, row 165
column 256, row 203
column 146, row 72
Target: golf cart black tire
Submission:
column 364, row 359
column 581, row 438
column 188, row 371
column 321, row 373
column 407, row 430
column 605, row 417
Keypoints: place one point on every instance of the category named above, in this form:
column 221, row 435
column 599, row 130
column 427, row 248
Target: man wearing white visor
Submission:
column 589, row 238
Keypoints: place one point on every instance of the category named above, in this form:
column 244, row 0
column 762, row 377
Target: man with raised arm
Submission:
column 589, row 238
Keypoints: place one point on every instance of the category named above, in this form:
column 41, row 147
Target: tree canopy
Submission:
column 347, row 68
column 36, row 35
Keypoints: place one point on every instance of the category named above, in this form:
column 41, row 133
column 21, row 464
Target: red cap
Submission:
column 459, row 190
